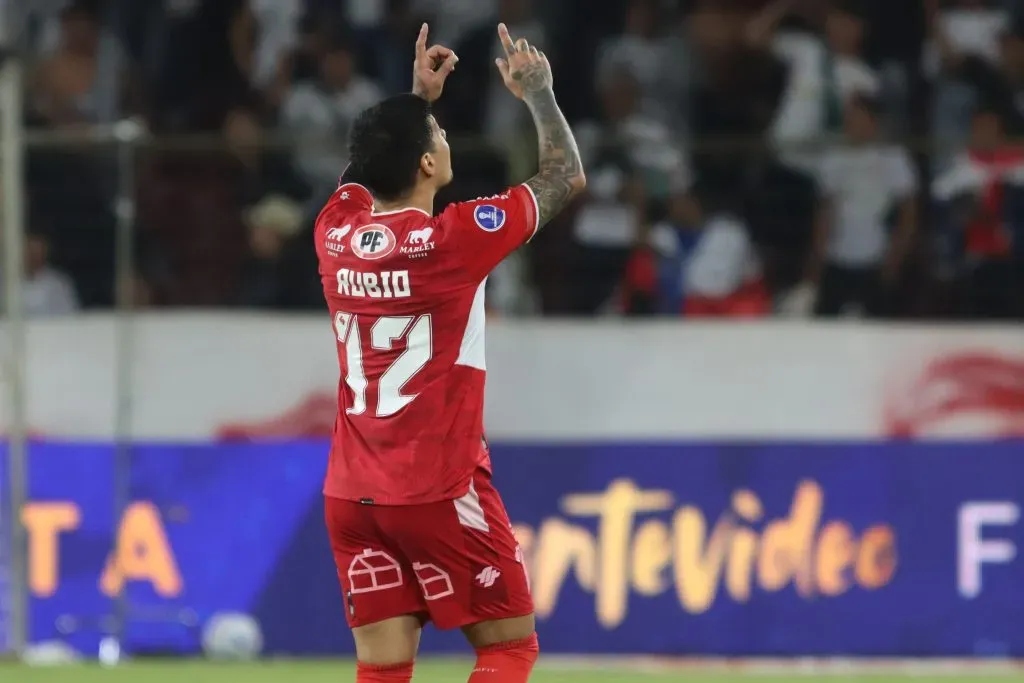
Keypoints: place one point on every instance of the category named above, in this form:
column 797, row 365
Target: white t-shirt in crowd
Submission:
column 723, row 260
column 322, row 119
column 801, row 113
column 969, row 32
column 604, row 221
column 48, row 292
column 855, row 76
column 278, row 22
column 864, row 184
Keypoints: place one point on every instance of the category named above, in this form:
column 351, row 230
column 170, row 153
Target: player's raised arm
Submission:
column 527, row 74
column 431, row 67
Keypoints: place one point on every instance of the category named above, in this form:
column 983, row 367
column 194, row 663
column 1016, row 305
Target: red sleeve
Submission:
column 353, row 197
column 486, row 230
column 350, row 199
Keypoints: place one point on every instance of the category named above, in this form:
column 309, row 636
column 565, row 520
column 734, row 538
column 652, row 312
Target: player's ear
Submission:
column 428, row 165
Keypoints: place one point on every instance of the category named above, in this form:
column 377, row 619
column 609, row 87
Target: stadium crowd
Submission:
column 745, row 158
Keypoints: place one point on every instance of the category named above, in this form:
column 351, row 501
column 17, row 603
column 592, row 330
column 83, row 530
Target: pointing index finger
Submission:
column 506, row 39
column 421, row 41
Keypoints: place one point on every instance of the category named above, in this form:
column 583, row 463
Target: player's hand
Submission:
column 431, row 68
column 524, row 68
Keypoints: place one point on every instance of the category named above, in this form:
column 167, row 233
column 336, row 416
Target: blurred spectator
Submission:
column 262, row 169
column 641, row 51
column 276, row 24
column 1002, row 83
column 389, row 49
column 453, row 19
column 973, row 196
column 867, row 186
column 811, row 102
column 314, row 39
column 38, row 22
column 629, row 157
column 845, row 30
column 46, row 291
column 780, row 205
column 723, row 276
column 84, row 78
column 823, row 71
column 962, row 51
column 735, row 94
column 321, row 111
column 272, row 223
column 964, row 29
column 198, row 61
column 475, row 101
column 707, row 265
column 754, row 91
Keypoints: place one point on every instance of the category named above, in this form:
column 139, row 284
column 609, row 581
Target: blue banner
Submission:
column 880, row 549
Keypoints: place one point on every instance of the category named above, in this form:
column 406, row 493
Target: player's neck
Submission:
column 422, row 199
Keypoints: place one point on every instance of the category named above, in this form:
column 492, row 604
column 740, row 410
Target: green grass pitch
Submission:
column 428, row 672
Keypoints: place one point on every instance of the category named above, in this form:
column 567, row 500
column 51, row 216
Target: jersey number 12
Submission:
column 383, row 334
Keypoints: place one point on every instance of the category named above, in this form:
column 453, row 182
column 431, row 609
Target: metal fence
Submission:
column 161, row 221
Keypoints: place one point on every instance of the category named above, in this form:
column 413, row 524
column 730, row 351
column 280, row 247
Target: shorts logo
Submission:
column 372, row 242
column 435, row 583
column 333, row 239
column 373, row 570
column 488, row 576
column 489, row 217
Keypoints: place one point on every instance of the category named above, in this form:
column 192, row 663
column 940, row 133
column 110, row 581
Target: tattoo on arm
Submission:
column 560, row 176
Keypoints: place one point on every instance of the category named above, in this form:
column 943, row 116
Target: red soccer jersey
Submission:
column 406, row 297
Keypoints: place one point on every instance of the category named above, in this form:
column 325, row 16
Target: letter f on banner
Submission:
column 973, row 550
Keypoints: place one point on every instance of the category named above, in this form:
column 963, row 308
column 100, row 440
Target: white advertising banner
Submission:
column 203, row 376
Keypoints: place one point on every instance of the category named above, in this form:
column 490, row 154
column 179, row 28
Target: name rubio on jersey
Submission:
column 387, row 284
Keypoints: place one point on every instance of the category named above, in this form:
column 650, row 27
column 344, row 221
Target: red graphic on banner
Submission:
column 971, row 394
column 311, row 418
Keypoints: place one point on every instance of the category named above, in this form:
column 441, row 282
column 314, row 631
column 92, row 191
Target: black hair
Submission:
column 386, row 145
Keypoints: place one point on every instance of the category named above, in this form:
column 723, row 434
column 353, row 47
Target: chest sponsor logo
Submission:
column 418, row 243
column 372, row 242
column 334, row 239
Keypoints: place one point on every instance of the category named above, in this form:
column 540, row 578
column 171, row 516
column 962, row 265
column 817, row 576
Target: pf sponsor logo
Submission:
column 489, row 217
column 333, row 240
column 418, row 243
column 372, row 242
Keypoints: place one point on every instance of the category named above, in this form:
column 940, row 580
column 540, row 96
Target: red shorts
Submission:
column 455, row 562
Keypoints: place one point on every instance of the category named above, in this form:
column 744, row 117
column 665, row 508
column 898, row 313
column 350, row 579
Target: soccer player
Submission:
column 418, row 531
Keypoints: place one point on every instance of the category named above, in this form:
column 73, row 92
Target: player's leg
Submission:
column 506, row 649
column 383, row 604
column 386, row 650
column 471, row 573
column 505, row 639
